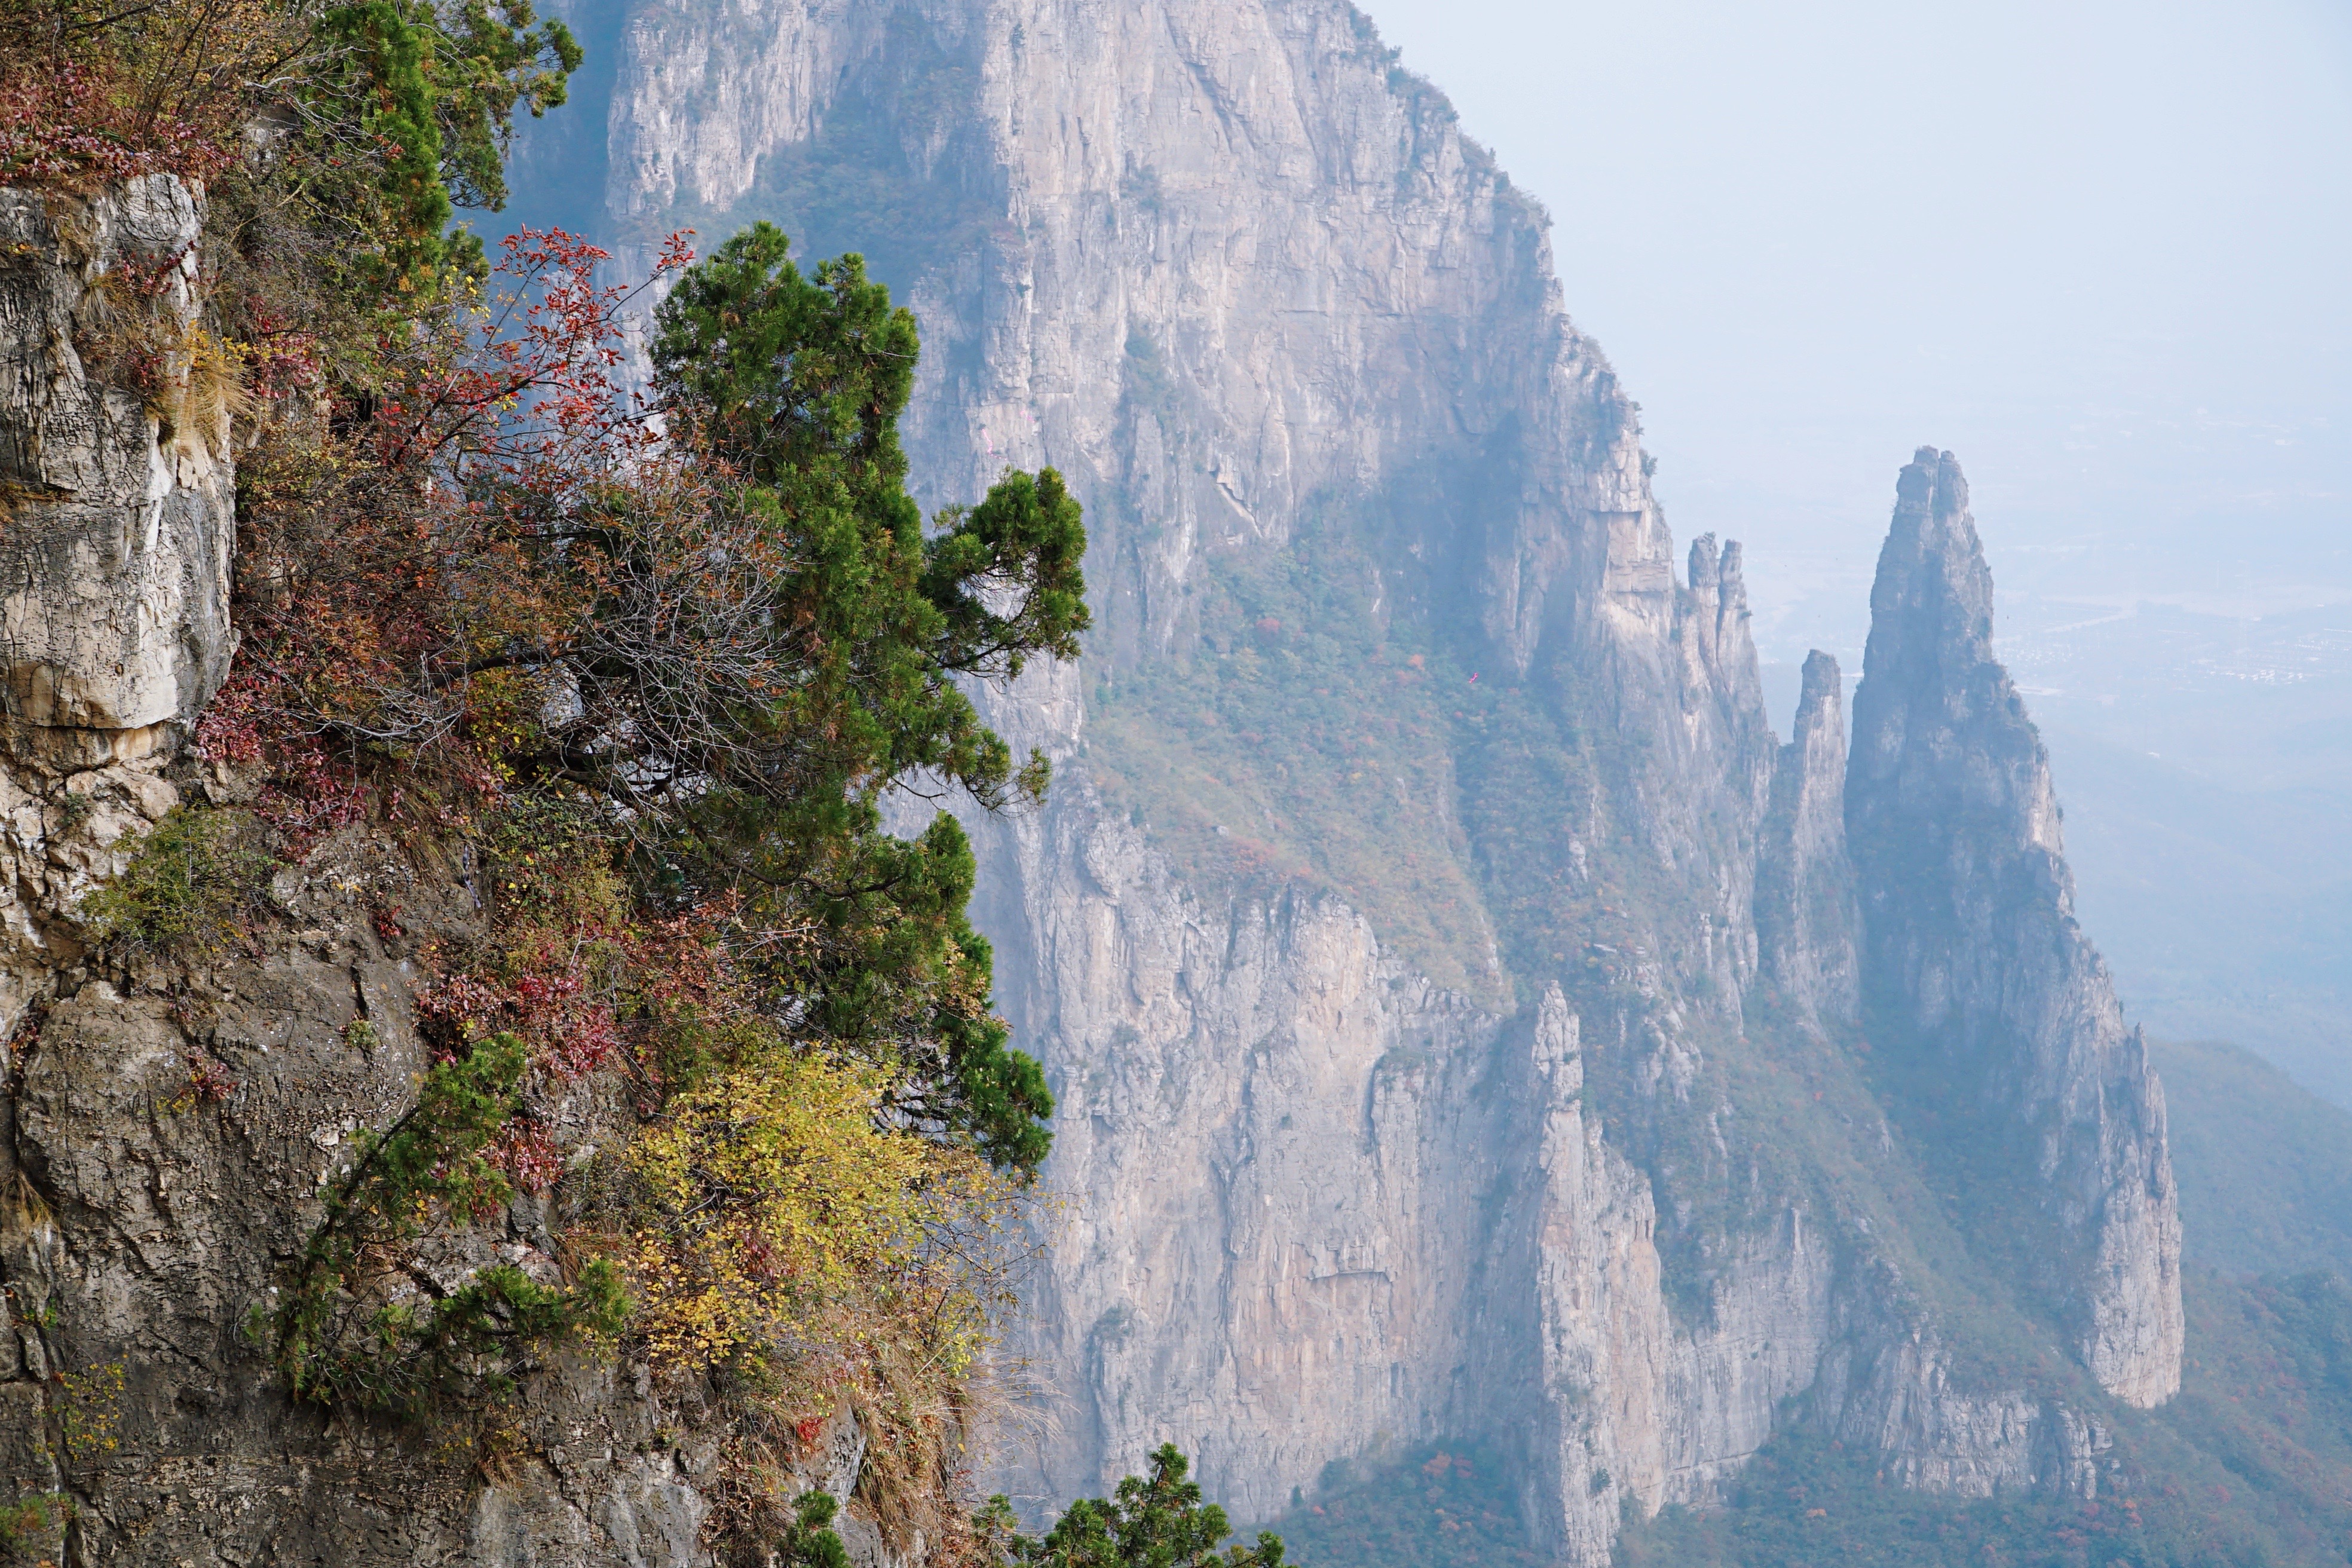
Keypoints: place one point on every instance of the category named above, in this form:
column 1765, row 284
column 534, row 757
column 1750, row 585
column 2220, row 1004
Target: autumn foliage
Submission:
column 656, row 675
column 643, row 663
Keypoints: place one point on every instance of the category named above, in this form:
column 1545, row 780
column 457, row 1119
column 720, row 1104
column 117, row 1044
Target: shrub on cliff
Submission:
column 192, row 884
column 380, row 116
column 1154, row 1522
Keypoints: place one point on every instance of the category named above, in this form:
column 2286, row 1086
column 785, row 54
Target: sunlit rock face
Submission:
column 118, row 487
column 1973, row 957
column 116, row 522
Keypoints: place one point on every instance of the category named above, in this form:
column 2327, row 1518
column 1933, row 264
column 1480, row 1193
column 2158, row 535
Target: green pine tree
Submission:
column 810, row 1541
column 795, row 384
column 1156, row 1523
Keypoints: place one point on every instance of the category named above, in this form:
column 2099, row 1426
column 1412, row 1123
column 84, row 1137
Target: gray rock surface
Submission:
column 169, row 1128
column 1807, row 924
column 115, row 530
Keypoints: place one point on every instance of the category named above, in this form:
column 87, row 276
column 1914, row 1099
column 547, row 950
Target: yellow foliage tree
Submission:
column 775, row 1195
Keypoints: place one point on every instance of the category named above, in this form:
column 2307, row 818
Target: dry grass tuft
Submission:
column 212, row 391
column 23, row 1212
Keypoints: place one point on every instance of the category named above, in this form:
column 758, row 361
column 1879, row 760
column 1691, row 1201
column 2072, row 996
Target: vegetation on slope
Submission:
column 1322, row 727
column 658, row 686
column 1445, row 1505
column 1301, row 738
column 2265, row 1165
column 2245, row 1468
column 647, row 667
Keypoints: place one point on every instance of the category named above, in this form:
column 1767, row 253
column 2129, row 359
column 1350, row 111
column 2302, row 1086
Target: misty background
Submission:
column 2100, row 252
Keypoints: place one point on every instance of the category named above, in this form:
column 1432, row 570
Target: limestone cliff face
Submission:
column 1972, row 957
column 1247, row 286
column 115, row 522
column 1320, row 1209
column 167, row 1146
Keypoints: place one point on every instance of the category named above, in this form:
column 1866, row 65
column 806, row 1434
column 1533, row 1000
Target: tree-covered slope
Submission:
column 2265, row 1165
column 2250, row 1467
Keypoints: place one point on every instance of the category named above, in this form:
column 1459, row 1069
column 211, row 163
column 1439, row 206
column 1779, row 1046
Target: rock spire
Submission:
column 1978, row 984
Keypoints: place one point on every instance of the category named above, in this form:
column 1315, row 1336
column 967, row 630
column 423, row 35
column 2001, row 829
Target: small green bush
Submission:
column 341, row 1341
column 30, row 1520
column 195, row 880
column 810, row 1541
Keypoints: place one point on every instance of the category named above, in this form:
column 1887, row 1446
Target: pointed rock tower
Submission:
column 1805, row 915
column 2003, row 1050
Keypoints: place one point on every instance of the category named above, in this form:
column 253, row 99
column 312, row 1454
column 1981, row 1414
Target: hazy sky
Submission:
column 2101, row 250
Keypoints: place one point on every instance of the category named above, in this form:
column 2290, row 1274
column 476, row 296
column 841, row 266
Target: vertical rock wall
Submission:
column 1806, row 919
column 115, row 477
column 116, row 496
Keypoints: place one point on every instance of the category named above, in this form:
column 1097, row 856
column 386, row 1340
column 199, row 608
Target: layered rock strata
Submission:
column 1973, row 961
column 1320, row 1209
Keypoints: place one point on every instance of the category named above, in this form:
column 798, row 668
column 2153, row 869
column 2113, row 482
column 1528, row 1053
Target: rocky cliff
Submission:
column 1466, row 1015
column 115, row 625
column 116, row 476
column 1628, row 1177
column 170, row 1119
column 1807, row 923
